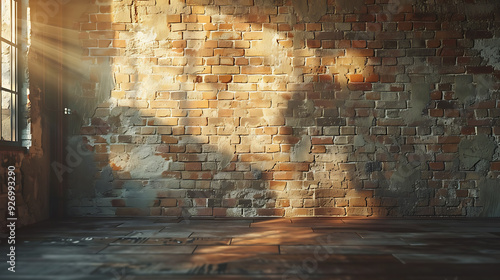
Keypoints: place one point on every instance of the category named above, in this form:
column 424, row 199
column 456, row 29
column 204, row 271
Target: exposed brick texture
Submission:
column 251, row 108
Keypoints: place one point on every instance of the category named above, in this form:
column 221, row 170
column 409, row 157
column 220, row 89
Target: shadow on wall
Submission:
column 32, row 166
column 309, row 115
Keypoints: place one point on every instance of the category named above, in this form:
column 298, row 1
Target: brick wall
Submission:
column 288, row 108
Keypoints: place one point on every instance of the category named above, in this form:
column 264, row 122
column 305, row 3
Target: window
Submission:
column 9, row 68
column 14, row 87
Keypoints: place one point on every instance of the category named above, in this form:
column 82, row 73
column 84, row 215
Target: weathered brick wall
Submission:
column 288, row 108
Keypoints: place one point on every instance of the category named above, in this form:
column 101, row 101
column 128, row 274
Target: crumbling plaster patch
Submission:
column 470, row 89
column 225, row 152
column 490, row 51
column 142, row 162
column 349, row 6
column 476, row 153
column 311, row 10
column 405, row 184
column 420, row 97
column 142, row 41
column 302, row 150
column 405, row 176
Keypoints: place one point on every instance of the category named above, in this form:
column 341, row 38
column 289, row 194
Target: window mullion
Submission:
column 9, row 90
column 8, row 42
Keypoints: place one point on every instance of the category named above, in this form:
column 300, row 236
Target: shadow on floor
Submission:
column 293, row 248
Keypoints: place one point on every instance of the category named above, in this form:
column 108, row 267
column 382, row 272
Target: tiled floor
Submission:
column 296, row 248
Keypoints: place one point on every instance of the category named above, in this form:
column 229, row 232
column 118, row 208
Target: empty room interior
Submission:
column 250, row 139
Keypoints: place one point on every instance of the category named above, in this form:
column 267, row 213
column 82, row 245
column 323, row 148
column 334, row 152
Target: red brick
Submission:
column 222, row 35
column 359, row 52
column 449, row 34
column 450, row 148
column 478, row 34
column 334, row 211
column 436, row 165
column 287, row 175
column 118, row 203
column 436, row 112
column 118, row 26
column 268, row 212
column 256, row 70
column 169, row 139
column 331, row 35
column 294, row 166
column 105, row 52
column 327, row 44
column 172, row 212
column 479, row 69
column 358, row 26
column 468, row 130
column 219, row 212
column 449, row 139
column 173, row 18
column 198, row 2
column 421, row 17
column 355, row 78
column 495, row 165
column 203, row 19
column 325, row 78
column 359, row 86
column 313, row 43
column 462, row 193
column 358, row 44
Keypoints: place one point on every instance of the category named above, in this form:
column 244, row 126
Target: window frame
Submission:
column 15, row 88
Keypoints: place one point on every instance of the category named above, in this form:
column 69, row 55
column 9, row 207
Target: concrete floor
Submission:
column 296, row 248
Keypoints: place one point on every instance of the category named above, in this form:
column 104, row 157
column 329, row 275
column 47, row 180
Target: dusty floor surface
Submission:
column 283, row 248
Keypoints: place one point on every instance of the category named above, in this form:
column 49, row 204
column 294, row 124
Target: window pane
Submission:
column 6, row 116
column 13, row 69
column 7, row 19
column 7, row 66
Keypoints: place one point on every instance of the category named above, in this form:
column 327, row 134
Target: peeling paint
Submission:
column 302, row 150
column 490, row 51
